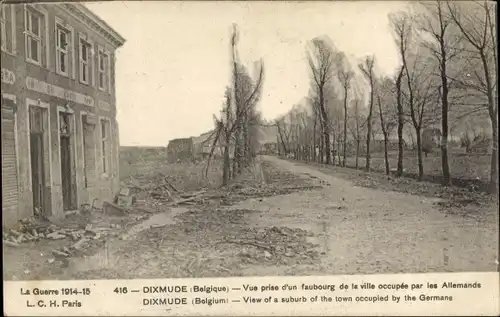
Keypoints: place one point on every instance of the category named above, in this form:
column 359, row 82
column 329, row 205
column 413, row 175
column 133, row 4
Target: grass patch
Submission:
column 467, row 170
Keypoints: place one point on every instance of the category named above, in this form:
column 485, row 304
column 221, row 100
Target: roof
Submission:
column 180, row 141
column 204, row 138
column 84, row 14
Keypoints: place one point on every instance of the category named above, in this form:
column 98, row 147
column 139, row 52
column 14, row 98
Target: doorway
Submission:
column 37, row 124
column 68, row 176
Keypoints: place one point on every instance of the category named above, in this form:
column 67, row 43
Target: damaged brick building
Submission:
column 59, row 132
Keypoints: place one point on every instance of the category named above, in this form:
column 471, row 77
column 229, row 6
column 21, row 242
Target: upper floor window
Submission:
column 102, row 69
column 33, row 35
column 3, row 26
column 85, row 51
column 63, row 47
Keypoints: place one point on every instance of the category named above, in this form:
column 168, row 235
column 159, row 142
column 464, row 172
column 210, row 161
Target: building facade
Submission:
column 60, row 143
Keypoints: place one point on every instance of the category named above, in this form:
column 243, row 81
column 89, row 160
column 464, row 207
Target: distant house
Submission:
column 203, row 144
column 180, row 150
column 269, row 148
column 377, row 144
column 431, row 139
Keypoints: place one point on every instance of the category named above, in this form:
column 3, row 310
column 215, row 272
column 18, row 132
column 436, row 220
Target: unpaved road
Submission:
column 362, row 230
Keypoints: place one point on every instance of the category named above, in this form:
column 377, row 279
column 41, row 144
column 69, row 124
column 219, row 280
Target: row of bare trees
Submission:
column 447, row 72
column 237, row 128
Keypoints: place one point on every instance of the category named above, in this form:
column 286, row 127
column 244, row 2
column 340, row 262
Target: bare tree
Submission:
column 321, row 63
column 314, row 105
column 401, row 25
column 421, row 91
column 367, row 68
column 477, row 23
column 238, row 115
column 246, row 94
column 335, row 116
column 356, row 130
column 284, row 132
column 345, row 78
column 436, row 23
column 385, row 101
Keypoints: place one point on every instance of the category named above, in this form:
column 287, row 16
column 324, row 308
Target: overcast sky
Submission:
column 173, row 69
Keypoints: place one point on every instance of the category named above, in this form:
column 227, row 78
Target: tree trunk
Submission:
column 400, row 123
column 315, row 126
column 493, row 188
column 326, row 128
column 444, row 121
column 369, row 127
column 386, row 137
column 321, row 142
column 368, row 140
column 237, row 144
column 493, row 112
column 237, row 152
column 357, row 137
column 227, row 165
column 419, row 154
column 386, row 154
column 245, row 142
column 338, row 152
column 333, row 148
column 345, row 129
column 321, row 148
column 357, row 153
column 278, row 144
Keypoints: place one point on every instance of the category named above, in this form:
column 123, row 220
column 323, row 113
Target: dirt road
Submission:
column 362, row 230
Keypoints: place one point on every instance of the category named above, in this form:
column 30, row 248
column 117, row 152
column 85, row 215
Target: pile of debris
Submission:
column 29, row 230
column 149, row 195
column 276, row 243
column 141, row 188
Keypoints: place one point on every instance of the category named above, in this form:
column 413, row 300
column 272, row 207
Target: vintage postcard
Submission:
column 250, row 158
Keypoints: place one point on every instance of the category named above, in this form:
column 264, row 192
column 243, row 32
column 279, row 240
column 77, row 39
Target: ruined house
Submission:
column 180, row 150
column 204, row 143
column 59, row 129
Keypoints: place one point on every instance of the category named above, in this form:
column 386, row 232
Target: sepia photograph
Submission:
column 207, row 139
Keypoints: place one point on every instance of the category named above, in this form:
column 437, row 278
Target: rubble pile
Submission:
column 142, row 187
column 29, row 230
column 275, row 243
column 149, row 195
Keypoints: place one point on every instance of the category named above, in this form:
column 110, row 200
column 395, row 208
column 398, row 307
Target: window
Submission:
column 62, row 49
column 85, row 51
column 33, row 36
column 105, row 145
column 3, row 25
column 7, row 27
column 102, row 67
